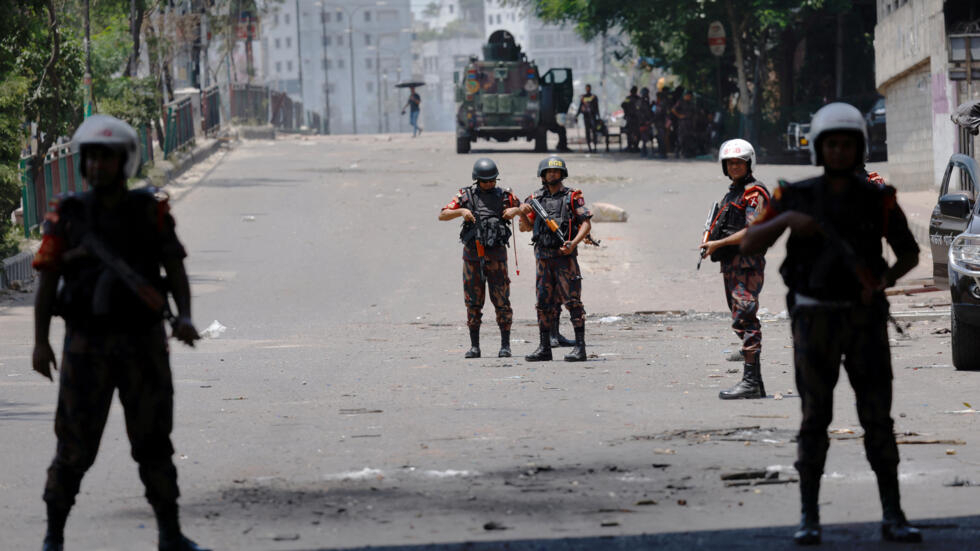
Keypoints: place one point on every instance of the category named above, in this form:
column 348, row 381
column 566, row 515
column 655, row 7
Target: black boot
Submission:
column 578, row 353
column 171, row 538
column 54, row 539
column 543, row 352
column 809, row 531
column 894, row 525
column 749, row 387
column 474, row 351
column 557, row 339
column 504, row 344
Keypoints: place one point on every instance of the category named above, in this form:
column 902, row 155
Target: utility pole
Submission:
column 299, row 56
column 377, row 77
column 326, row 81
column 350, row 42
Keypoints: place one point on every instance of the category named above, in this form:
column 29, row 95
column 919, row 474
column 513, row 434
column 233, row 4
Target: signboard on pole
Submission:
column 716, row 38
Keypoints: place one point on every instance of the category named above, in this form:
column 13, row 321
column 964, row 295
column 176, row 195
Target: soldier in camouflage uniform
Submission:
column 559, row 280
column 114, row 338
column 743, row 274
column 485, row 209
column 836, row 278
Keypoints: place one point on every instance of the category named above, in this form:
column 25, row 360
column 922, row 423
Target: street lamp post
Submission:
column 299, row 59
column 326, row 81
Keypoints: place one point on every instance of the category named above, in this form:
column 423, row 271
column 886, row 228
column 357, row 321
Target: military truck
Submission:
column 503, row 97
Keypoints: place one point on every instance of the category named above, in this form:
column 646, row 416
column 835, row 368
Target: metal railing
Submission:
column 180, row 125
column 210, row 110
column 249, row 104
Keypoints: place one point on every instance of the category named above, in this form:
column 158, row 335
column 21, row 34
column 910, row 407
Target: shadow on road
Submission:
column 943, row 533
column 16, row 411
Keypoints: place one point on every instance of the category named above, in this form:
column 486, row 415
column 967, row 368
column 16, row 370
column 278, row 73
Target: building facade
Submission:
column 922, row 84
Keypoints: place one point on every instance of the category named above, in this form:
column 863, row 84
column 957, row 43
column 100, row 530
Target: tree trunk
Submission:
column 136, row 10
column 743, row 85
column 153, row 51
column 165, row 57
column 784, row 70
column 46, row 139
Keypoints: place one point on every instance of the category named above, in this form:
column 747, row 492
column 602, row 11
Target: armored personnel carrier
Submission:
column 503, row 96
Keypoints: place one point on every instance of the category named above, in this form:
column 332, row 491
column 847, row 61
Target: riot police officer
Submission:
column 836, row 278
column 485, row 209
column 557, row 234
column 107, row 246
column 743, row 274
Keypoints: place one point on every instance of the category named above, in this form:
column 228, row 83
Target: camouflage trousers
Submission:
column 559, row 281
column 859, row 334
column 474, row 291
column 742, row 288
column 92, row 368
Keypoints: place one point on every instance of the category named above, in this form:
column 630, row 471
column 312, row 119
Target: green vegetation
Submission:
column 780, row 59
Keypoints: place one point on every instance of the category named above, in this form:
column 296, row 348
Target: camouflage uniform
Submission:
column 825, row 274
column 559, row 280
column 743, row 274
column 494, row 273
column 112, row 341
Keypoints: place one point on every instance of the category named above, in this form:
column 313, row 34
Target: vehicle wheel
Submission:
column 966, row 344
column 462, row 144
column 541, row 141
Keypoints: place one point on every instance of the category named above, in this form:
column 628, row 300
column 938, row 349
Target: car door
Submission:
column 953, row 212
column 557, row 88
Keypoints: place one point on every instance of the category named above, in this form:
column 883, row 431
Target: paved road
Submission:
column 336, row 411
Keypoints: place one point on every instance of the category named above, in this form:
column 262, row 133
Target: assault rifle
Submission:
column 707, row 231
column 548, row 220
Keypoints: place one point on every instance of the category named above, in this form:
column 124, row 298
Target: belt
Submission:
column 803, row 301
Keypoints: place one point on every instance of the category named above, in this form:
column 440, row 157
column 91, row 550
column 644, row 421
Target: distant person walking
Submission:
column 413, row 103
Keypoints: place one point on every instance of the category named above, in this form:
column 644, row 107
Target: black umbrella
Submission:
column 410, row 84
column 968, row 116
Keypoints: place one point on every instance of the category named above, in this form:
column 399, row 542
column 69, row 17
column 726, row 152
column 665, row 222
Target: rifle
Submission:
column 707, row 231
column 481, row 251
column 849, row 256
column 548, row 220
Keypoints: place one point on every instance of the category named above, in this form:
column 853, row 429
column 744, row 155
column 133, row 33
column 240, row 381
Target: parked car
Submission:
column 954, row 237
column 877, row 138
column 797, row 140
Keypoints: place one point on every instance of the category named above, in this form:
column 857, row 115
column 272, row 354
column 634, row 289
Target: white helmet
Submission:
column 836, row 117
column 110, row 132
column 736, row 149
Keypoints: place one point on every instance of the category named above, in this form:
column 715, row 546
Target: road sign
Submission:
column 716, row 38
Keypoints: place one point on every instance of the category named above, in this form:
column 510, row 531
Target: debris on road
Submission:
column 946, row 442
column 606, row 212
column 960, row 483
column 494, row 525
column 213, row 331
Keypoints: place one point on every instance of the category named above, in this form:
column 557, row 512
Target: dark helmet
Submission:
column 485, row 169
column 553, row 161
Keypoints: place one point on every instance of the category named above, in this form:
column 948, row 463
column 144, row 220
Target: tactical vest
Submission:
column 559, row 208
column 488, row 208
column 732, row 219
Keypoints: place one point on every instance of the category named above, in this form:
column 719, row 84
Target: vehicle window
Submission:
column 960, row 183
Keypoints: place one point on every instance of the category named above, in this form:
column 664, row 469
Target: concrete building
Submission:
column 341, row 57
column 923, row 79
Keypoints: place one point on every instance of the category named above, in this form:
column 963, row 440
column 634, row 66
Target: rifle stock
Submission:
column 707, row 231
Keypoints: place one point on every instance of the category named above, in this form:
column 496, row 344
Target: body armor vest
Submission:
column 557, row 206
column 732, row 218
column 488, row 208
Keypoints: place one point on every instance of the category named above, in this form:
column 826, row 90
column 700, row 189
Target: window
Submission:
column 340, row 16
column 275, row 19
column 326, row 40
column 367, row 62
column 277, row 43
column 326, row 64
column 289, row 42
column 326, row 17
column 451, row 8
column 340, row 40
column 285, row 18
column 340, row 63
column 367, row 16
column 490, row 17
column 370, row 87
column 367, row 39
column 289, row 66
column 498, row 18
column 278, row 66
